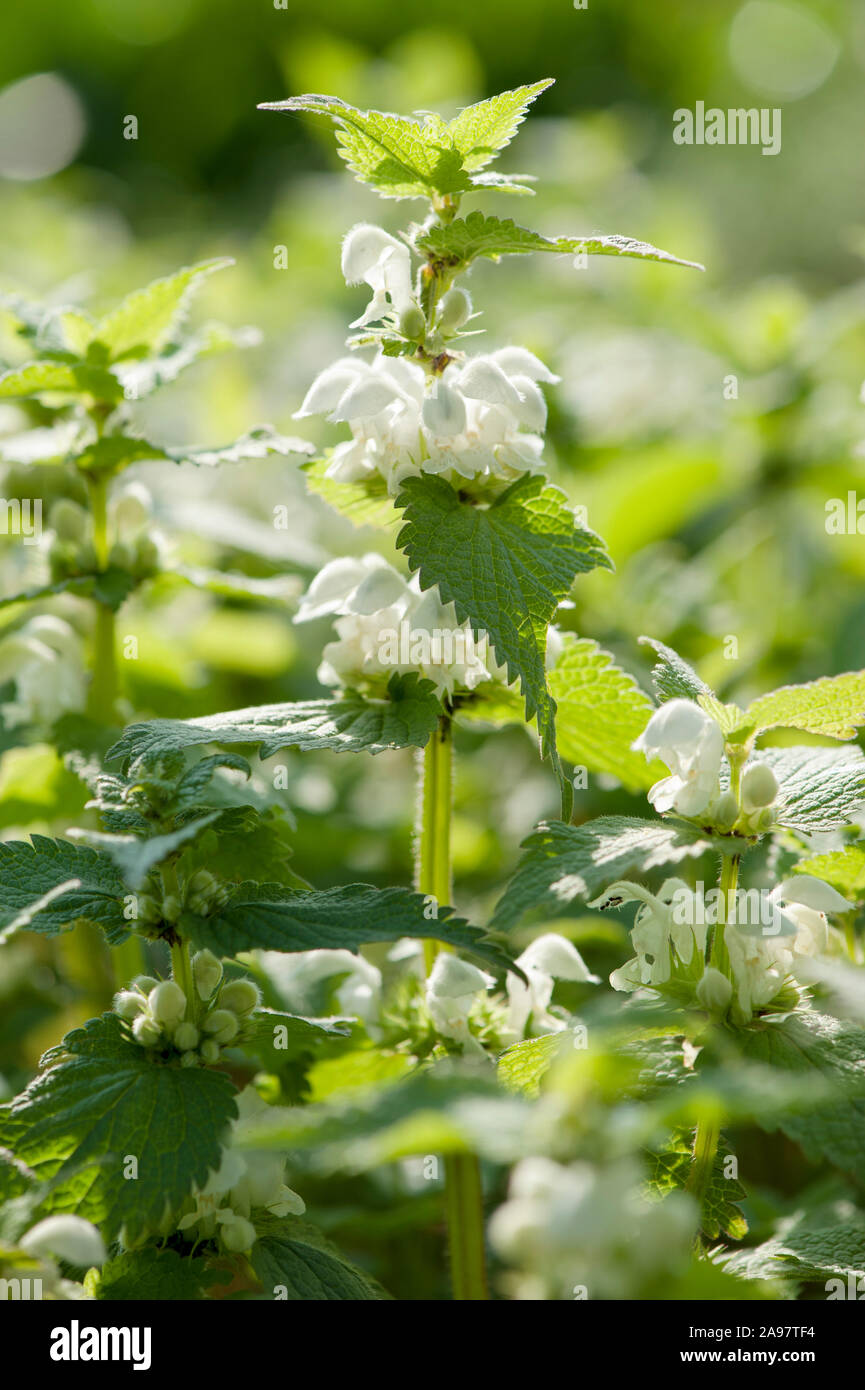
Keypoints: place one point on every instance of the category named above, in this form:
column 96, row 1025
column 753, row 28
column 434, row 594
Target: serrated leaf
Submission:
column 92, row 888
column 280, row 1037
column 600, row 711
column 844, row 869
column 672, row 677
column 670, row 1168
column 819, row 789
column 136, row 857
column 350, row 724
column 143, row 322
column 269, row 916
column 141, row 376
column 110, row 587
column 565, row 863
column 102, row 1098
column 116, row 451
column 811, row 1044
column 258, row 443
column 294, row 1261
column 807, row 1250
column 523, row 1066
column 461, row 241
column 153, row 1275
column 396, row 155
column 833, row 706
column 482, row 130
column 64, row 378
column 364, row 504
column 506, row 568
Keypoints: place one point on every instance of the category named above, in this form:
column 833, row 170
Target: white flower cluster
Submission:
column 242, row 1183
column 579, row 1231
column 162, row 1016
column 358, row 994
column 386, row 626
column 479, row 422
column 44, row 659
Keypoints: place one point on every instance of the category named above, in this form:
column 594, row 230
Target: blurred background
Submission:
column 704, row 421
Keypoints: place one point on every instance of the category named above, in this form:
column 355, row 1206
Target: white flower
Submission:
column 370, row 255
column 69, row 1238
column 691, row 743
column 664, row 923
column 450, row 995
column 387, row 626
column 549, row 958
column 358, row 995
column 799, row 929
column 45, row 660
column 480, row 423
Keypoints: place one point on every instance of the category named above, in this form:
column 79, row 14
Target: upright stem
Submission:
column 463, row 1189
column 103, row 683
column 181, row 970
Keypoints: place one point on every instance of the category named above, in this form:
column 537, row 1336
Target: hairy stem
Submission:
column 463, row 1191
column 103, row 682
column 181, row 970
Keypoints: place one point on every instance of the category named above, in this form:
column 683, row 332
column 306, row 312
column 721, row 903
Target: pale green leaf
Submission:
column 833, row 706
column 600, row 711
column 481, row 131
column 144, row 321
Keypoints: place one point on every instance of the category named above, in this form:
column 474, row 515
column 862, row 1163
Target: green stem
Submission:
column 103, row 682
column 463, row 1190
column 434, row 840
column 465, row 1216
column 720, row 956
column 705, row 1148
column 181, row 970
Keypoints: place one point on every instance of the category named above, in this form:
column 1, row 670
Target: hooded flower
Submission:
column 549, row 958
column 450, row 995
column 387, row 626
column 481, row 422
column 371, row 256
column 44, row 660
column 358, row 994
column 691, row 743
column 664, row 923
column 799, row 928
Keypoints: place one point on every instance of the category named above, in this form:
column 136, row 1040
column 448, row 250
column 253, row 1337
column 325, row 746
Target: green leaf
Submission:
column 481, row 131
column 271, row 917
column 672, row 677
column 279, row 1037
column 144, row 321
column 833, row 706
column 101, row 1099
column 350, row 724
column 90, row 888
column 399, row 157
column 506, row 568
column 844, row 869
column 113, row 452
column 807, row 1248
column 670, row 1168
column 600, row 711
column 64, row 378
column 439, row 1110
column 293, row 1261
column 364, row 504
column 819, row 789
column 278, row 588
column 258, row 443
column 461, row 241
column 813, row 1045
column 152, row 1275
column 111, row 587
column 564, row 863
column 523, row 1066
column 136, row 857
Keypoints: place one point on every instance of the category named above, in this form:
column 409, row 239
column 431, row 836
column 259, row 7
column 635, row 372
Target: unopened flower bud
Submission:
column 188, row 1059
column 222, row 1025
column 726, row 810
column 171, row 907
column 714, row 991
column 129, row 1003
column 68, row 520
column 186, row 1036
column 759, row 786
column 209, row 1051
column 146, row 1031
column 412, row 323
column 207, row 971
column 456, row 307
column 240, row 996
column 145, row 983
column 238, row 1235
column 167, row 1002
column 148, row 909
